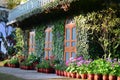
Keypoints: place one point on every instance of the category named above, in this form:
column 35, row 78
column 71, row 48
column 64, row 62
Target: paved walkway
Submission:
column 28, row 74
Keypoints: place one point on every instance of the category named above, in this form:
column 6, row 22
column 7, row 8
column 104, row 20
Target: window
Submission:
column 32, row 42
column 70, row 41
column 48, row 42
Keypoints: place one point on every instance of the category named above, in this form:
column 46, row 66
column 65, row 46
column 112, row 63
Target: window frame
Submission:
column 31, row 42
column 70, row 49
column 48, row 42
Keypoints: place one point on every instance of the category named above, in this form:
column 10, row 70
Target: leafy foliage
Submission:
column 101, row 27
column 58, row 39
column 82, row 38
column 40, row 40
column 19, row 40
column 12, row 3
column 104, row 28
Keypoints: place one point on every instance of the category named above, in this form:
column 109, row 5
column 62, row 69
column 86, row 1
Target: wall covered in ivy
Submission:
column 82, row 37
column 58, row 39
column 26, row 45
column 57, row 42
column 97, row 35
column 40, row 40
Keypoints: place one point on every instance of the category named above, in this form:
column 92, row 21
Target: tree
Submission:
column 13, row 3
column 104, row 28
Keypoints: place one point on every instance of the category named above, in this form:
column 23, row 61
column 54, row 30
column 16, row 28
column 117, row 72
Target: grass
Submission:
column 9, row 77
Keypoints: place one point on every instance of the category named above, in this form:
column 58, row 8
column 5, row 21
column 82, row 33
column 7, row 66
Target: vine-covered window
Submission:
column 48, row 42
column 32, row 42
column 70, row 40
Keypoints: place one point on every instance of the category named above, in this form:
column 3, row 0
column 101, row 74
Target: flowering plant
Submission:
column 82, row 69
column 78, row 65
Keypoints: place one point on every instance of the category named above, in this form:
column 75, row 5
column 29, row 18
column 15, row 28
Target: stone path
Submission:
column 29, row 74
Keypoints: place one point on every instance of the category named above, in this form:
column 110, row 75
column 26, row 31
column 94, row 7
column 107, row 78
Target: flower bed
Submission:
column 100, row 69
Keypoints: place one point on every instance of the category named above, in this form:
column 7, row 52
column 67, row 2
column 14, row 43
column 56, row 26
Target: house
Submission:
column 57, row 27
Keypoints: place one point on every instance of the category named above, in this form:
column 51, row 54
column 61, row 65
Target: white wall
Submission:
column 3, row 30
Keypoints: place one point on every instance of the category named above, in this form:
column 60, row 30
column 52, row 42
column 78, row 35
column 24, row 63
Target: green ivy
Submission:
column 82, row 38
column 26, row 44
column 58, row 39
column 40, row 40
column 19, row 40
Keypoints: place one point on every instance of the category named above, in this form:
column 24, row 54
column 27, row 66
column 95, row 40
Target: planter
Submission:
column 90, row 76
column 43, row 70
column 78, row 75
column 97, row 77
column 118, row 78
column 73, row 75
column 56, row 71
column 111, row 77
column 61, row 73
column 105, row 77
column 68, row 74
column 47, row 71
column 65, row 73
column 6, row 65
column 39, row 70
column 83, row 76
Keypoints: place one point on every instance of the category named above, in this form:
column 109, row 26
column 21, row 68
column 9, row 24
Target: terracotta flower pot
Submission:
column 47, row 70
column 61, row 73
column 78, row 75
column 65, row 73
column 43, row 70
column 68, row 74
column 118, row 78
column 97, row 77
column 55, row 71
column 111, row 77
column 90, row 76
column 105, row 77
column 73, row 75
column 83, row 76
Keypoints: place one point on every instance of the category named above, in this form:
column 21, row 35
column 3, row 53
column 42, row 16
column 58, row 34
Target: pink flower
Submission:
column 67, row 63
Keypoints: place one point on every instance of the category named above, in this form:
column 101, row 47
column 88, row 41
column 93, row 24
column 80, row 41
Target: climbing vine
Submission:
column 58, row 39
column 19, row 40
column 40, row 40
column 82, row 38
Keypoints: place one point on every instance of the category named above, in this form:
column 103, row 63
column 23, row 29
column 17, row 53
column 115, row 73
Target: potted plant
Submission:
column 29, row 65
column 60, row 69
column 82, row 70
column 14, row 62
column 113, row 72
column 39, row 67
column 90, row 71
column 73, row 70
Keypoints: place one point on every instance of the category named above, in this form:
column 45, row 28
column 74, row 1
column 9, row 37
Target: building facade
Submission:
column 56, row 27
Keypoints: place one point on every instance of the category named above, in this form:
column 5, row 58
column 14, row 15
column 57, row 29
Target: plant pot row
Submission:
column 102, row 77
column 27, row 67
column 12, row 65
column 86, row 76
column 44, row 70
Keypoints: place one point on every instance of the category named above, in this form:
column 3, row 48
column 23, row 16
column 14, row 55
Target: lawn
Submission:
column 9, row 77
